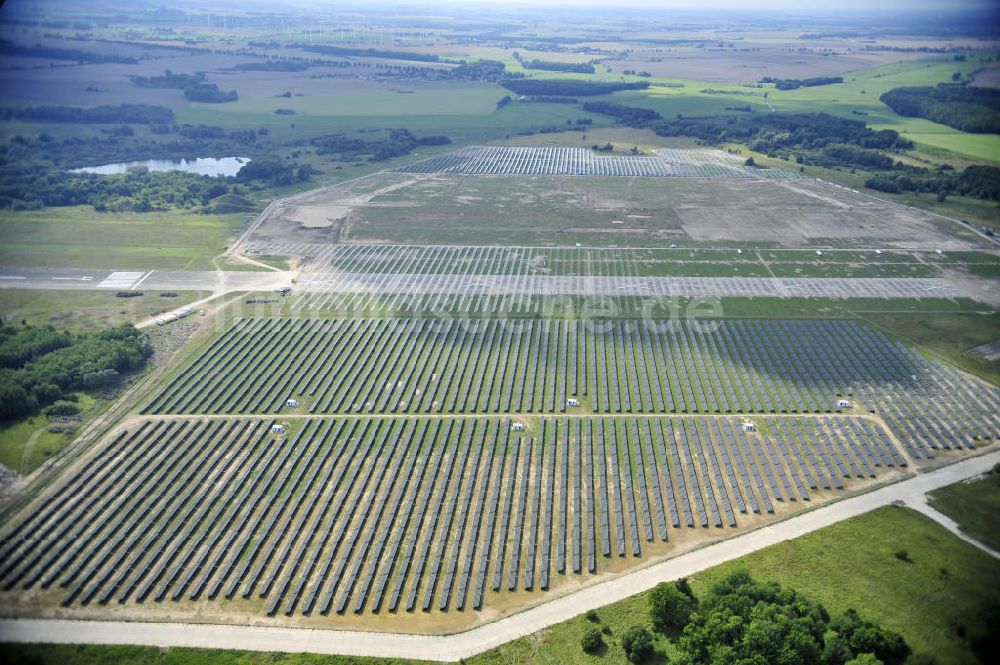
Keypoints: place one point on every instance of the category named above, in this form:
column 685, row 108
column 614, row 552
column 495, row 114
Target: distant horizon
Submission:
column 706, row 6
column 788, row 7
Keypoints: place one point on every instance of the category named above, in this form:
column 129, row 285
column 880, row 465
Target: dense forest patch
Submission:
column 968, row 109
column 40, row 366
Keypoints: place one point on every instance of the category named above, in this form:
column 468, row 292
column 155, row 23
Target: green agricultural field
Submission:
column 688, row 100
column 860, row 92
column 485, row 124
column 79, row 237
column 975, row 505
column 376, row 100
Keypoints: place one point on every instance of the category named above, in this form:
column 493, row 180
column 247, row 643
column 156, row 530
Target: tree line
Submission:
column 818, row 139
column 552, row 66
column 34, row 172
column 194, row 86
column 40, row 366
column 569, row 87
column 274, row 171
column 794, row 84
column 366, row 53
column 743, row 621
column 9, row 49
column 139, row 190
column 976, row 181
column 140, row 114
column 966, row 108
column 397, row 143
column 771, row 133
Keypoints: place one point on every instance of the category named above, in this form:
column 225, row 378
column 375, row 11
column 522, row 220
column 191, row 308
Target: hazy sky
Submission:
column 790, row 6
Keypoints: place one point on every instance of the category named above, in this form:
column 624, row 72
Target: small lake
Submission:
column 211, row 166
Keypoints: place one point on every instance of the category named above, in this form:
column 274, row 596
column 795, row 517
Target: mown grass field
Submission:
column 36, row 654
column 948, row 335
column 85, row 310
column 77, row 236
column 975, row 505
column 26, row 443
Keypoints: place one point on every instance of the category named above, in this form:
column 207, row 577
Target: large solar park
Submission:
column 492, row 160
column 416, row 440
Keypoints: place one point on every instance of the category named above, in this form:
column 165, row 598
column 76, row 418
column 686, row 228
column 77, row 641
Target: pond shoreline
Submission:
column 210, row 166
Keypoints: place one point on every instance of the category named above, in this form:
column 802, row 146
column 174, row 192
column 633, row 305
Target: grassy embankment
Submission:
column 975, row 505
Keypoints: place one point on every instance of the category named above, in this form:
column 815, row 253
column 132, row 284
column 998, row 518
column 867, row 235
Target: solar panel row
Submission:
column 501, row 160
column 610, row 366
column 344, row 510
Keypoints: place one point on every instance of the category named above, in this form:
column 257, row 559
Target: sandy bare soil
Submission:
column 636, row 211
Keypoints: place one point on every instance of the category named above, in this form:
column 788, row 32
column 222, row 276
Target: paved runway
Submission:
column 424, row 283
column 128, row 280
column 349, row 282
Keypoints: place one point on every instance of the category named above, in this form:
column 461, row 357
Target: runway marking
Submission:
column 144, row 277
column 120, row 280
